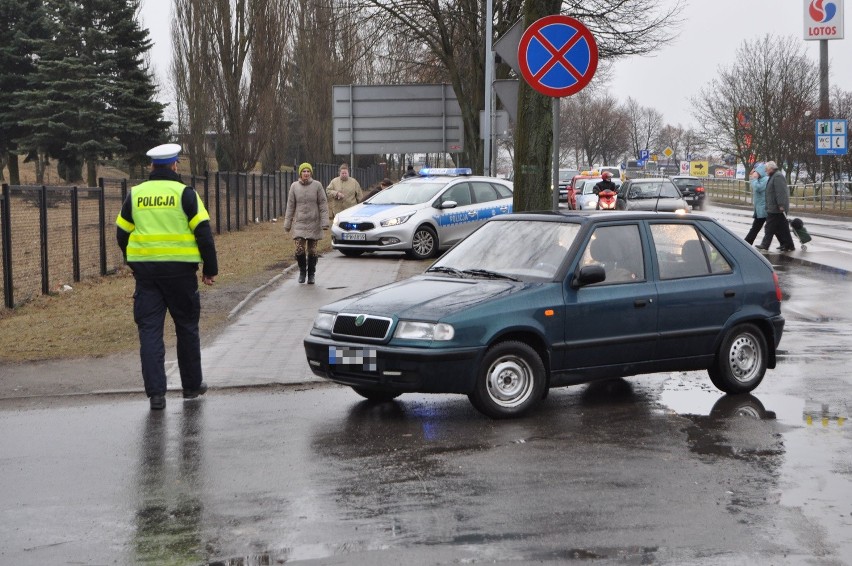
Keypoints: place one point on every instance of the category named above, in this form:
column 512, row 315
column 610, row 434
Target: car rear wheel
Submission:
column 424, row 243
column 352, row 253
column 376, row 395
column 741, row 360
column 510, row 382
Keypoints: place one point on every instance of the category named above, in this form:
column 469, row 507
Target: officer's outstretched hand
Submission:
column 208, row 279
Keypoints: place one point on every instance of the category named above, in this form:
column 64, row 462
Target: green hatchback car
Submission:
column 533, row 301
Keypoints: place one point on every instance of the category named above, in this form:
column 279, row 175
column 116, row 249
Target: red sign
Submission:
column 558, row 56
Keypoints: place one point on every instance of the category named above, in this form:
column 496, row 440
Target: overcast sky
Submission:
column 708, row 39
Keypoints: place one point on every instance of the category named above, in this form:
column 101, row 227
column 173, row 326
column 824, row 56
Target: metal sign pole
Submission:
column 555, row 102
column 489, row 78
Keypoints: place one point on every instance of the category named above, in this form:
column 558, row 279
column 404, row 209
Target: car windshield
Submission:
column 654, row 189
column 494, row 248
column 410, row 192
column 567, row 174
column 589, row 186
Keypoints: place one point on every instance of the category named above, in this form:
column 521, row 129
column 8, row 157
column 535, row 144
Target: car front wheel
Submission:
column 510, row 382
column 424, row 243
column 741, row 360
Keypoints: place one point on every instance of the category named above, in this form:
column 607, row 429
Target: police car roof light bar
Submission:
column 447, row 171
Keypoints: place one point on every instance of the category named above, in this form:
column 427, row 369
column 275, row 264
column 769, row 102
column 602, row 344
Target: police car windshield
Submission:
column 409, row 192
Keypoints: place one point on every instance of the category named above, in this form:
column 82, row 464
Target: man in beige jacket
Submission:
column 343, row 191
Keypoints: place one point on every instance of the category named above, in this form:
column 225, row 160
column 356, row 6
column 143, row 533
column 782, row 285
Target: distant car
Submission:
column 565, row 176
column 574, row 187
column 498, row 321
column 616, row 171
column 692, row 189
column 657, row 194
column 421, row 215
column 585, row 192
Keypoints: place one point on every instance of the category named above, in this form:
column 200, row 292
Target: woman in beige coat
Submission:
column 306, row 218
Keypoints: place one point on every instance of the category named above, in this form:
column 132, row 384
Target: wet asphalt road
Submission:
column 651, row 470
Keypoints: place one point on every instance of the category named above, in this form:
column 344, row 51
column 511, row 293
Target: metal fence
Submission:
column 804, row 197
column 55, row 235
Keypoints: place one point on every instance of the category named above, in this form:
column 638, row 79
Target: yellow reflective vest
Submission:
column 160, row 230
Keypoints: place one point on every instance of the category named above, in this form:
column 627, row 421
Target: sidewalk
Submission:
column 263, row 345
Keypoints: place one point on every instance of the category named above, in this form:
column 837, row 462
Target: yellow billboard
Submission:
column 699, row 168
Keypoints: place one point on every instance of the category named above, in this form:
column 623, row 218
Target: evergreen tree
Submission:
column 92, row 96
column 25, row 29
column 132, row 89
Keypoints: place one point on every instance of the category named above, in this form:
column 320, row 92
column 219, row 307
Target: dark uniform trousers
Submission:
column 178, row 295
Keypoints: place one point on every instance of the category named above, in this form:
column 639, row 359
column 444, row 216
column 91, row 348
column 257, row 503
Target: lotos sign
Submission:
column 823, row 19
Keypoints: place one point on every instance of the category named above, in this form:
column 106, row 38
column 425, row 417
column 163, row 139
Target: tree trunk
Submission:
column 92, row 172
column 534, row 132
column 14, row 169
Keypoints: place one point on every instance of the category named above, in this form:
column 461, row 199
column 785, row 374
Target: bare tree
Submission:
column 841, row 107
column 246, row 42
column 193, row 105
column 693, row 143
column 328, row 50
column 595, row 127
column 757, row 108
column 644, row 125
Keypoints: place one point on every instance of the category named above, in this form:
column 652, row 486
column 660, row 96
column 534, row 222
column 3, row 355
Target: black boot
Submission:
column 312, row 269
column 303, row 265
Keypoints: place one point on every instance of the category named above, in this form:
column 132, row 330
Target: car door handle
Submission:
column 639, row 303
column 730, row 293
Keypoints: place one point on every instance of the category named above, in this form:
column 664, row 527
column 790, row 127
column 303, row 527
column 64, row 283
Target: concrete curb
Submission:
column 263, row 287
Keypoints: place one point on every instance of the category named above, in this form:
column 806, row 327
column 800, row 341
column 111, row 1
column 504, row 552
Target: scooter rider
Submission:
column 605, row 184
column 605, row 190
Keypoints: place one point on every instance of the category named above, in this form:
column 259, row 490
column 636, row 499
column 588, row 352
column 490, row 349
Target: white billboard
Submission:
column 823, row 19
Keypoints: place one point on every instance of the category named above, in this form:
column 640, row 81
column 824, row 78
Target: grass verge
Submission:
column 96, row 317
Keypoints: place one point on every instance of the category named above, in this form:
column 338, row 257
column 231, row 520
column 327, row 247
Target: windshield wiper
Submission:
column 448, row 270
column 489, row 274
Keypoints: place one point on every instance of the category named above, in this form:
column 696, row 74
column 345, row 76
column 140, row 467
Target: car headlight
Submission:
column 324, row 322
column 396, row 221
column 410, row 330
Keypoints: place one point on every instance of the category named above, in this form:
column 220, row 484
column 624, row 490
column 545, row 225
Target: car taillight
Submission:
column 778, row 293
column 699, row 189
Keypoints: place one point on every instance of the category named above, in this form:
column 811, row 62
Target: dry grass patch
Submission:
column 96, row 317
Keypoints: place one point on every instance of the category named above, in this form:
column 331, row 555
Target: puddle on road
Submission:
column 804, row 445
column 687, row 394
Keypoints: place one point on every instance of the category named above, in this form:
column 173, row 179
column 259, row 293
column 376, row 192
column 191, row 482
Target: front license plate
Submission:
column 354, row 236
column 364, row 357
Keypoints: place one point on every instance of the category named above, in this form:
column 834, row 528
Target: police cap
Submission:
column 165, row 154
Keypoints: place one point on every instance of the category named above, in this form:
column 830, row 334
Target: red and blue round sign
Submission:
column 558, row 55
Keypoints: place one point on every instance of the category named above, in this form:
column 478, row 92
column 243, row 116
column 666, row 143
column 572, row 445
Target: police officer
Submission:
column 164, row 232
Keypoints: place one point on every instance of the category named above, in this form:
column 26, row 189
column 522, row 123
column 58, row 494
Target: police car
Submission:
column 421, row 215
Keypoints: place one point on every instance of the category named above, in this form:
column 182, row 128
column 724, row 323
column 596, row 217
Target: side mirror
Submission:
column 448, row 204
column 588, row 275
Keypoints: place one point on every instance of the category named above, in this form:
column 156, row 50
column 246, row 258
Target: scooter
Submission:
column 606, row 200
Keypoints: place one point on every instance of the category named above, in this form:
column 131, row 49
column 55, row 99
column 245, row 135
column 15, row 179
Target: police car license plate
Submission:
column 364, row 357
column 354, row 236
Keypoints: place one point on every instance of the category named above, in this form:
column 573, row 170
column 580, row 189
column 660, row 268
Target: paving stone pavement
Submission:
column 264, row 343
